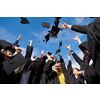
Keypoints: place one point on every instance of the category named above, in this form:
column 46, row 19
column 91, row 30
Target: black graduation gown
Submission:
column 93, row 35
column 35, row 75
column 90, row 75
column 26, row 66
column 39, row 75
column 3, row 76
column 6, row 77
column 71, row 78
column 51, row 75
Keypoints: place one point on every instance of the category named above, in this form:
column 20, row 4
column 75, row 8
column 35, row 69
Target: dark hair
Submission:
column 33, row 65
column 58, row 61
column 4, row 54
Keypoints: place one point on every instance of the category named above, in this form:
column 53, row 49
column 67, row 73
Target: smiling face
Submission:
column 58, row 66
column 8, row 53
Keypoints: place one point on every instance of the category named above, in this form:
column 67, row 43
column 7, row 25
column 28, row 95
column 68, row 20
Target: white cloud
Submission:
column 4, row 34
column 39, row 35
column 83, row 20
column 79, row 20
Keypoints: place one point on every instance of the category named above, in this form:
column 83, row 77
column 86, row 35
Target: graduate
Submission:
column 40, row 75
column 58, row 75
column 23, row 73
column 8, row 62
column 85, row 49
column 75, row 76
column 89, row 72
column 93, row 36
column 30, row 72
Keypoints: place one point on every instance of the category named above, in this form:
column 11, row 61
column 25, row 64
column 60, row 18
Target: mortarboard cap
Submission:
column 56, row 21
column 10, row 65
column 57, row 51
column 92, row 17
column 84, row 46
column 58, row 17
column 24, row 20
column 44, row 24
column 60, row 44
column 54, row 32
column 10, row 49
column 46, row 37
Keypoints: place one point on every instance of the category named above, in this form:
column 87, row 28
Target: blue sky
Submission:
column 10, row 28
column 43, row 8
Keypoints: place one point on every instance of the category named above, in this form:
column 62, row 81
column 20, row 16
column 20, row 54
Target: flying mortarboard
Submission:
column 46, row 37
column 60, row 44
column 57, row 51
column 56, row 21
column 10, row 65
column 24, row 20
column 54, row 32
column 92, row 17
column 44, row 24
column 58, row 17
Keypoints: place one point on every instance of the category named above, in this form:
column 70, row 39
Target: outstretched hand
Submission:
column 19, row 37
column 64, row 25
column 68, row 47
column 76, row 38
column 30, row 41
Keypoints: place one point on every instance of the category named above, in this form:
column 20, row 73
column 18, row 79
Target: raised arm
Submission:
column 63, row 63
column 70, row 70
column 64, row 25
column 18, row 39
column 77, row 28
column 61, row 59
column 80, row 28
column 76, row 57
column 69, row 67
column 29, row 50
